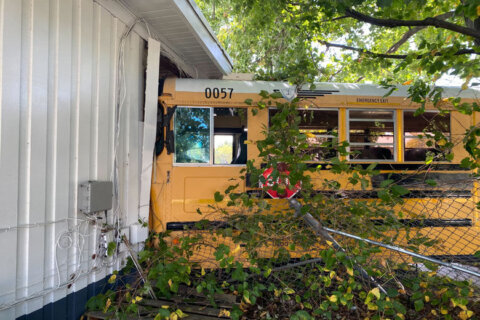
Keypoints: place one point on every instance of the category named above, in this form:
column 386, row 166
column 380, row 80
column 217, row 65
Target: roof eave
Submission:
column 205, row 35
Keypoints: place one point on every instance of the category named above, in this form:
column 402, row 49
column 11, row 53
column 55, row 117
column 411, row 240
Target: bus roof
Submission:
column 321, row 88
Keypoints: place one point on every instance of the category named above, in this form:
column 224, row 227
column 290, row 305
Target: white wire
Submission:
column 41, row 224
column 71, row 237
column 148, row 29
column 120, row 98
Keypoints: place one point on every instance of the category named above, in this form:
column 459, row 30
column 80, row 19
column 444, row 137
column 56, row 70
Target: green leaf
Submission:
column 221, row 251
column 394, row 88
column 418, row 305
column 466, row 163
column 382, row 194
column 399, row 307
column 385, row 183
column 419, row 111
column 399, row 190
column 239, row 274
column 218, row 197
column 162, row 314
column 248, row 101
column 301, row 315
column 111, row 247
column 417, row 295
column 264, row 94
column 236, row 313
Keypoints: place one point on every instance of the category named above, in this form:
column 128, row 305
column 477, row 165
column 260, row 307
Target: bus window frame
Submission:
column 316, row 109
column 395, row 135
column 211, row 137
column 404, row 137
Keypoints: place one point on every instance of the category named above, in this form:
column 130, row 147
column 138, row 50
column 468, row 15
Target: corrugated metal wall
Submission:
column 58, row 71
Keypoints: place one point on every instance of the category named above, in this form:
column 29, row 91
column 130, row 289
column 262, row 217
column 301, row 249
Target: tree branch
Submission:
column 394, row 23
column 413, row 31
column 334, row 19
column 386, row 55
column 378, row 55
column 404, row 39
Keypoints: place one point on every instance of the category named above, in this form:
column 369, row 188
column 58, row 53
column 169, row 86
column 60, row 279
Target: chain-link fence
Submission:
column 429, row 227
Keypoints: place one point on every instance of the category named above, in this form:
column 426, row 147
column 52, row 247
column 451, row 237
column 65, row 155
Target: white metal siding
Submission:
column 58, row 71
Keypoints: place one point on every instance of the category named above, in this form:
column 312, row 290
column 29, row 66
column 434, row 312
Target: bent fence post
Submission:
column 322, row 232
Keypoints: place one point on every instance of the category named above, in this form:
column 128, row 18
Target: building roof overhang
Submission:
column 186, row 37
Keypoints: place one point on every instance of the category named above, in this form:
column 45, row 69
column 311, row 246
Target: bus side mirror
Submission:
column 168, row 139
column 160, row 138
column 170, row 142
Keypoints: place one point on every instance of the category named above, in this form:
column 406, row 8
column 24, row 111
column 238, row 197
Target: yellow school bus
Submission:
column 204, row 124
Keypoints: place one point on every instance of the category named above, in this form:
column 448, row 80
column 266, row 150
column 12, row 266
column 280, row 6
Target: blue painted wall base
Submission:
column 72, row 307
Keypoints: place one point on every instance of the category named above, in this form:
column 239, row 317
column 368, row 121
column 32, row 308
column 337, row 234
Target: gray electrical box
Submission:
column 95, row 196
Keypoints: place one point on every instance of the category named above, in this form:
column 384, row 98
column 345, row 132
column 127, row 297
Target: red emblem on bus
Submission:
column 283, row 182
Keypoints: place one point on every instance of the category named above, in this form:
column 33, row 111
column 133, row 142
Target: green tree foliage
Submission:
column 223, row 153
column 349, row 40
column 390, row 42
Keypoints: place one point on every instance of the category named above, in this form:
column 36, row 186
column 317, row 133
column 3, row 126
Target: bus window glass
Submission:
column 421, row 129
column 230, row 133
column 321, row 127
column 192, row 135
column 223, row 150
column 371, row 134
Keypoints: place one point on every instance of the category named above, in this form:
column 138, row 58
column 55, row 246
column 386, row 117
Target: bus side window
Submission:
column 417, row 131
column 321, row 128
column 196, row 127
column 230, row 133
column 192, row 135
column 371, row 134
